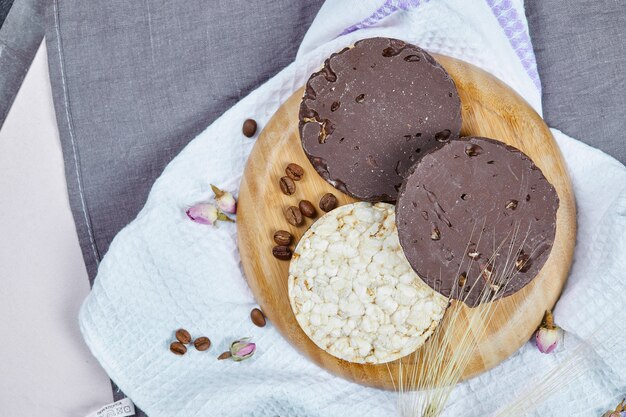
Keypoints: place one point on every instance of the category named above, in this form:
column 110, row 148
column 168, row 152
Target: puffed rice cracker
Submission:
column 352, row 289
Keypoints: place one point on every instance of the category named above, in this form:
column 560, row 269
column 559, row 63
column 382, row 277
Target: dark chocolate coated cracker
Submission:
column 476, row 219
column 372, row 111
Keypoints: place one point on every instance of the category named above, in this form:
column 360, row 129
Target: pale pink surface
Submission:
column 46, row 369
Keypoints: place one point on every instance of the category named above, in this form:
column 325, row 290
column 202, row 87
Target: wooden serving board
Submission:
column 489, row 108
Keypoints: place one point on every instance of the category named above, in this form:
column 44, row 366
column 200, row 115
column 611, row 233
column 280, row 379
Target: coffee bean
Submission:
column 224, row 355
column 257, row 317
column 328, row 202
column 202, row 343
column 294, row 171
column 282, row 252
column 183, row 336
column 294, row 216
column 249, row 128
column 283, row 238
column 178, row 348
column 287, row 186
column 307, row 208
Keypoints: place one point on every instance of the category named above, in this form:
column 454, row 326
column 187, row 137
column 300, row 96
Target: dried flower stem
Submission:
column 562, row 375
column 221, row 216
column 217, row 191
column 537, row 392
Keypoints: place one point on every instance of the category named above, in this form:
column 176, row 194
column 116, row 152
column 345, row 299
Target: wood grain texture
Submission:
column 489, row 108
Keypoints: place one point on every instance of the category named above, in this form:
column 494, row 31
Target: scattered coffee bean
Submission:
column 294, row 216
column 328, row 202
column 307, row 208
column 177, row 348
column 224, row 355
column 294, row 171
column 202, row 343
column 257, row 317
column 287, row 186
column 282, row 252
column 183, row 336
column 249, row 128
column 283, row 238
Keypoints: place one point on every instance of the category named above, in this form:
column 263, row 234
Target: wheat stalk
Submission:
column 540, row 390
column 537, row 391
column 424, row 388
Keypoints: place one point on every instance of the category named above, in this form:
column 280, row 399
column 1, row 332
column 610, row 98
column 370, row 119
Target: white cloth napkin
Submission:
column 163, row 271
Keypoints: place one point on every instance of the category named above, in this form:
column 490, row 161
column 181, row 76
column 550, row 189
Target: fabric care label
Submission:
column 121, row 408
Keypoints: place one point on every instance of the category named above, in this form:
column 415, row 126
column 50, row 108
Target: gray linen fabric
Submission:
column 134, row 81
column 580, row 47
column 5, row 6
column 21, row 32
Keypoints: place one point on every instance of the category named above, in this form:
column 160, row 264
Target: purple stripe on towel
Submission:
column 387, row 9
column 517, row 35
column 503, row 11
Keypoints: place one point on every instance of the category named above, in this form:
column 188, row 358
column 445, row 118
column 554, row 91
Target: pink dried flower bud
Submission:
column 242, row 349
column 225, row 200
column 548, row 339
column 548, row 336
column 204, row 213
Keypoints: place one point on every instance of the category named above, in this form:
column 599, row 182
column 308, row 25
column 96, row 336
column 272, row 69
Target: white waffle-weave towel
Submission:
column 163, row 271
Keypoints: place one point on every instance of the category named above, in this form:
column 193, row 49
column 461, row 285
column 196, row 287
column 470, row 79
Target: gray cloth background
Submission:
column 134, row 81
column 21, row 32
column 580, row 47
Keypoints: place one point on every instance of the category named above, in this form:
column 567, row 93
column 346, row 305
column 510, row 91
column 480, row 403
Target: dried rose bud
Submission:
column 547, row 339
column 225, row 200
column 242, row 349
column 548, row 336
column 204, row 213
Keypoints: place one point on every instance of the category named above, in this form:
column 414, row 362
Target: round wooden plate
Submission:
column 489, row 108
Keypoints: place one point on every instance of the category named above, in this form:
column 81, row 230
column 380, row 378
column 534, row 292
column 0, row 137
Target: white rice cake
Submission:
column 354, row 293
